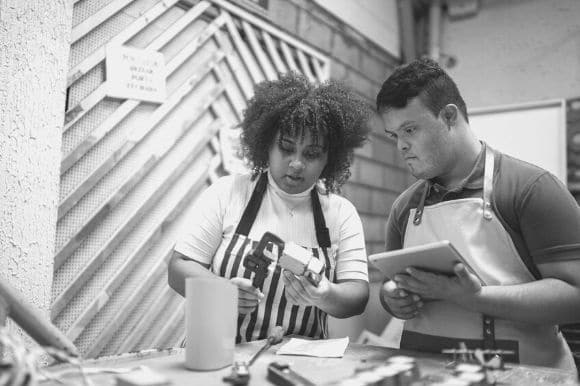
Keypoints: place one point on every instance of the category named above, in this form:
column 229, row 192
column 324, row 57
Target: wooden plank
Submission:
column 132, row 340
column 123, row 229
column 171, row 324
column 97, row 19
column 72, row 115
column 195, row 43
column 289, row 57
column 247, row 88
column 274, row 54
column 272, row 30
column 305, row 65
column 263, row 59
column 128, row 265
column 114, row 198
column 133, row 138
column 237, row 105
column 136, row 26
column 156, row 274
column 160, row 41
column 96, row 135
column 114, row 119
column 319, row 72
column 244, row 51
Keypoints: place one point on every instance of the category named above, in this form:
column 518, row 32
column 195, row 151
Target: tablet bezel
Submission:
column 438, row 257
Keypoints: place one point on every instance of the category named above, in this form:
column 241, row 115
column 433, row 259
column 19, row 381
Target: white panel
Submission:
column 535, row 133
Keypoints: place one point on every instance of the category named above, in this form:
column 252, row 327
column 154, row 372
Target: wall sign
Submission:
column 134, row 73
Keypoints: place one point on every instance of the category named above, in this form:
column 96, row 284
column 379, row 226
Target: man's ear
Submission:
column 449, row 114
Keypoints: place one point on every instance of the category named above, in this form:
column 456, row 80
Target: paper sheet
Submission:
column 325, row 348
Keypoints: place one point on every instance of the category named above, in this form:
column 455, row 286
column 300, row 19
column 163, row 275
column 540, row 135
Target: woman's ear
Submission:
column 449, row 114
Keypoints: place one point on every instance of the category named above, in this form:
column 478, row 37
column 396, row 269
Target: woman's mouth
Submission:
column 293, row 179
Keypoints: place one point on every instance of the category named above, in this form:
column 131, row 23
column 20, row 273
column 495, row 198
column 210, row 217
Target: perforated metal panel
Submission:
column 131, row 171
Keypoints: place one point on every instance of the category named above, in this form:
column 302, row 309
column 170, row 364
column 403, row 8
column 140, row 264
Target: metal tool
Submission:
column 282, row 375
column 293, row 258
column 256, row 261
column 240, row 374
column 275, row 337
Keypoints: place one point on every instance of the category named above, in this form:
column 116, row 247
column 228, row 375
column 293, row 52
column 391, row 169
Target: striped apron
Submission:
column 473, row 228
column 274, row 309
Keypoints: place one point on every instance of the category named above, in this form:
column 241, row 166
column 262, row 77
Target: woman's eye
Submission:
column 409, row 130
column 391, row 135
column 312, row 154
column 286, row 148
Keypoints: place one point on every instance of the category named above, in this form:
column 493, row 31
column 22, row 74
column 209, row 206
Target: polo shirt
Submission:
column 534, row 207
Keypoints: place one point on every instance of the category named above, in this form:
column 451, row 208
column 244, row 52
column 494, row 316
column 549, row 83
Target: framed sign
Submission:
column 134, row 73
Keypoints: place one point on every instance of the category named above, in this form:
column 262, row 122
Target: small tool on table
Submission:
column 240, row 369
column 281, row 374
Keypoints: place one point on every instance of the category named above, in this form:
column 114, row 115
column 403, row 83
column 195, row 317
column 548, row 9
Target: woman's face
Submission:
column 297, row 164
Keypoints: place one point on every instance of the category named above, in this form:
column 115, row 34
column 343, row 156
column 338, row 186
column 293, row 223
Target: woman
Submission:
column 299, row 140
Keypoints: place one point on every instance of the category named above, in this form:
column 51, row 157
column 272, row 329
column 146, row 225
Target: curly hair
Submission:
column 423, row 78
column 292, row 105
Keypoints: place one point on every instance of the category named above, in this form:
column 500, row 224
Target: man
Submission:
column 514, row 223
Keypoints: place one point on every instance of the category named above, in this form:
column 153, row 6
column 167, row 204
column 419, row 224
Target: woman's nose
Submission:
column 296, row 164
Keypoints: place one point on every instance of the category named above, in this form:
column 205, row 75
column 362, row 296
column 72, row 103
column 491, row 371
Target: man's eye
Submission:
column 409, row 130
column 391, row 135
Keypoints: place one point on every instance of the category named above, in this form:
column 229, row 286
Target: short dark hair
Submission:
column 423, row 78
column 292, row 105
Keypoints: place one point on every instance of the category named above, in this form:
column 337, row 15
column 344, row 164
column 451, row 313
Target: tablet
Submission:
column 439, row 257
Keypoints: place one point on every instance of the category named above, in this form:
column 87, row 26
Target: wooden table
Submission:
column 170, row 363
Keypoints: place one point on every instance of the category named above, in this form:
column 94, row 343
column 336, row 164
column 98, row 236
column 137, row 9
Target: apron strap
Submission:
column 253, row 206
column 251, row 211
column 421, row 206
column 322, row 234
column 488, row 183
column 488, row 333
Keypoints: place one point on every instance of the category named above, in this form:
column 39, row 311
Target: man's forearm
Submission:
column 545, row 301
column 346, row 299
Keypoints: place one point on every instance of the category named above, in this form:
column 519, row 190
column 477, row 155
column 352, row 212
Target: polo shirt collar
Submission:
column 474, row 179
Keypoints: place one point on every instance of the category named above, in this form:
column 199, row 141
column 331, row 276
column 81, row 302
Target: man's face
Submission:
column 423, row 139
column 296, row 165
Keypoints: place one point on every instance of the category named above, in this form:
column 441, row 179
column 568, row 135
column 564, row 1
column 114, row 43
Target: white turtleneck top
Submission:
column 289, row 216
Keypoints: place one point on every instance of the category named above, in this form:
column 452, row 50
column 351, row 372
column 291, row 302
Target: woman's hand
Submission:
column 248, row 295
column 459, row 288
column 301, row 292
column 398, row 302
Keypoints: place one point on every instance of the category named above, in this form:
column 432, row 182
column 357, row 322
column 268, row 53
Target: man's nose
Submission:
column 402, row 145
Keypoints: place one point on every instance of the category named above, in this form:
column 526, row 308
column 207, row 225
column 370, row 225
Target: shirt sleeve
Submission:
column 202, row 233
column 550, row 221
column 352, row 263
column 394, row 236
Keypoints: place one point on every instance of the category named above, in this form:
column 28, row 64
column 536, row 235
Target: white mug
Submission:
column 211, row 322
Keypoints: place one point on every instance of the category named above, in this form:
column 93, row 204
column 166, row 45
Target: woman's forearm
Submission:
column 180, row 268
column 346, row 299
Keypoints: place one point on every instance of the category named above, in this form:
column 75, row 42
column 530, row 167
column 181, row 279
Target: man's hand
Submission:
column 248, row 295
column 301, row 292
column 459, row 288
column 400, row 303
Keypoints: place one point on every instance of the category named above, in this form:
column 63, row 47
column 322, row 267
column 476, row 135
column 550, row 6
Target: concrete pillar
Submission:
column 34, row 50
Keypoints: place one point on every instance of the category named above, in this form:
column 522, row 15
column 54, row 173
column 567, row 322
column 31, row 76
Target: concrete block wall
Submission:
column 378, row 175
